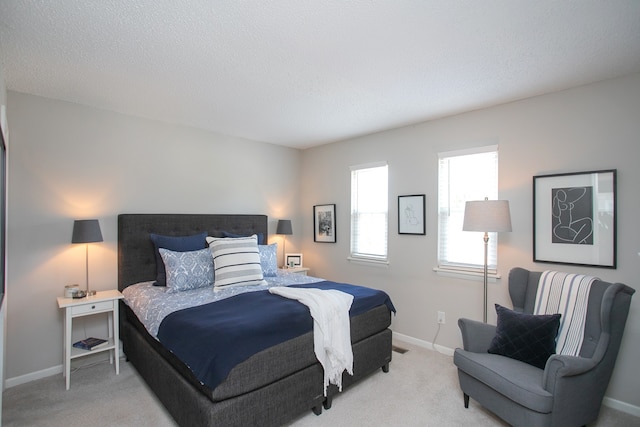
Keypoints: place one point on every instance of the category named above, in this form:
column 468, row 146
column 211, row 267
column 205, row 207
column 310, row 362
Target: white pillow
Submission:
column 236, row 261
column 187, row 270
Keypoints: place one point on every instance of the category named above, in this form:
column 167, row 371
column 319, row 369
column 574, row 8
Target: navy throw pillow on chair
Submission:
column 526, row 337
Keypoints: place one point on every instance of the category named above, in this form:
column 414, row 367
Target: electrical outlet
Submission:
column 441, row 317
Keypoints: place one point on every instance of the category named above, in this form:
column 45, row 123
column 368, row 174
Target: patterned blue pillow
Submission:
column 177, row 244
column 269, row 259
column 187, row 270
column 526, row 337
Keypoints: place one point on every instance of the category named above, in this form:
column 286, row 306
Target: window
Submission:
column 465, row 175
column 369, row 212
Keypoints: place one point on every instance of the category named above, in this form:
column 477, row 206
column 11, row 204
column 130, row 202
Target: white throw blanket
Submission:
column 331, row 328
column 567, row 294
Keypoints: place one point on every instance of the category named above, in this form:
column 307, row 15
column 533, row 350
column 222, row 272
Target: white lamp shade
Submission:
column 487, row 216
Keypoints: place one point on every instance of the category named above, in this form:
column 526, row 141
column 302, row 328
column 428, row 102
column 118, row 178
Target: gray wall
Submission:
column 588, row 128
column 69, row 162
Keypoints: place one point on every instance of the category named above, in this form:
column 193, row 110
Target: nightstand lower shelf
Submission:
column 79, row 352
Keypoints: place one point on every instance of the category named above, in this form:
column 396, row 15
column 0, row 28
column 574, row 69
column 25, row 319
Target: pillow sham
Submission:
column 187, row 270
column 526, row 337
column 236, row 261
column 234, row 235
column 269, row 259
column 176, row 244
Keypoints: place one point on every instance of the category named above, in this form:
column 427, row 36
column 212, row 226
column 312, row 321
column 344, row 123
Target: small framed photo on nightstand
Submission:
column 293, row 260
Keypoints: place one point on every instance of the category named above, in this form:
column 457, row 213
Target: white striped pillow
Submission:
column 236, row 261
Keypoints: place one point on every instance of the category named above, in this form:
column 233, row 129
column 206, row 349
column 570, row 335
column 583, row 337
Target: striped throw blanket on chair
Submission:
column 567, row 294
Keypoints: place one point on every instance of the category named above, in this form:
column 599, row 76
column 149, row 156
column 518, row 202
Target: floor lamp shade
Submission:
column 488, row 216
column 86, row 231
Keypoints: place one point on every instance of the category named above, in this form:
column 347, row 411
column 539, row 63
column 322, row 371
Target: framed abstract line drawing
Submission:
column 574, row 218
column 411, row 214
column 324, row 223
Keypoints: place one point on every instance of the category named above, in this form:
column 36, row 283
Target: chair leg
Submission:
column 466, row 400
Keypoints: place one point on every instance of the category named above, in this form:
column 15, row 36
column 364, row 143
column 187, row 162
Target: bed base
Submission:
column 369, row 355
column 274, row 404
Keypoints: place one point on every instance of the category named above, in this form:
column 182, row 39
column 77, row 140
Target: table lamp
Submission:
column 284, row 228
column 86, row 231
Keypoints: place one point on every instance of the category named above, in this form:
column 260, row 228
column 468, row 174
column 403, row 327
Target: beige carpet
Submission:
column 420, row 389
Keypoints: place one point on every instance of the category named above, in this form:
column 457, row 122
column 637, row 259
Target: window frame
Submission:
column 354, row 255
column 453, row 267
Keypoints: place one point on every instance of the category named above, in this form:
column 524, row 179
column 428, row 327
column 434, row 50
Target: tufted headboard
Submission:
column 136, row 258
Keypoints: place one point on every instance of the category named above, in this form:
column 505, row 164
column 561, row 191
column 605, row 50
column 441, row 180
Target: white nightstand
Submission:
column 297, row 270
column 101, row 302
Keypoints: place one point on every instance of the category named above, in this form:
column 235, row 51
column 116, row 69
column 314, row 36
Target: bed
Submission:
column 273, row 386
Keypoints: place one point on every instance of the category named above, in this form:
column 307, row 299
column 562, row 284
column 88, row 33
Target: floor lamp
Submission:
column 486, row 216
column 284, row 228
column 86, row 231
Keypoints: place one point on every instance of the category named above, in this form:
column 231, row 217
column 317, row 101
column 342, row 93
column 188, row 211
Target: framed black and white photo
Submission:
column 574, row 218
column 324, row 223
column 411, row 214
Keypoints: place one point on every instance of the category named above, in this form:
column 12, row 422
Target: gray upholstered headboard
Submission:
column 136, row 258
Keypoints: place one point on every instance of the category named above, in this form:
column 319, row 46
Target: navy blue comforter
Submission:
column 213, row 338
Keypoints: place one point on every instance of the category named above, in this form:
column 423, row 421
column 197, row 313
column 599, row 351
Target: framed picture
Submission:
column 324, row 223
column 411, row 214
column 293, row 260
column 574, row 218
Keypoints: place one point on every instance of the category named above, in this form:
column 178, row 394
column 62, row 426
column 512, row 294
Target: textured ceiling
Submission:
column 307, row 72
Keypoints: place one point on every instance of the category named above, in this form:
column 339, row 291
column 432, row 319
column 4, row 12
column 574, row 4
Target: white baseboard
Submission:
column 622, row 406
column 425, row 344
column 26, row 378
column 607, row 401
column 57, row 370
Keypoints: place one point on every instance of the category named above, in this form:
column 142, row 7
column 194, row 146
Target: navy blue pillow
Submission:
column 260, row 236
column 176, row 244
column 526, row 337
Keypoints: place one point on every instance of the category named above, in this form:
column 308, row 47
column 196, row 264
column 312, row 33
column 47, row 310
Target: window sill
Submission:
column 467, row 274
column 369, row 261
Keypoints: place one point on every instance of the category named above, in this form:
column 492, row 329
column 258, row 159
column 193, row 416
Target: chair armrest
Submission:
column 560, row 365
column 476, row 336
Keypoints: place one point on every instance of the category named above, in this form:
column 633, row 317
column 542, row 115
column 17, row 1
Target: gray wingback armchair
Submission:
column 569, row 390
